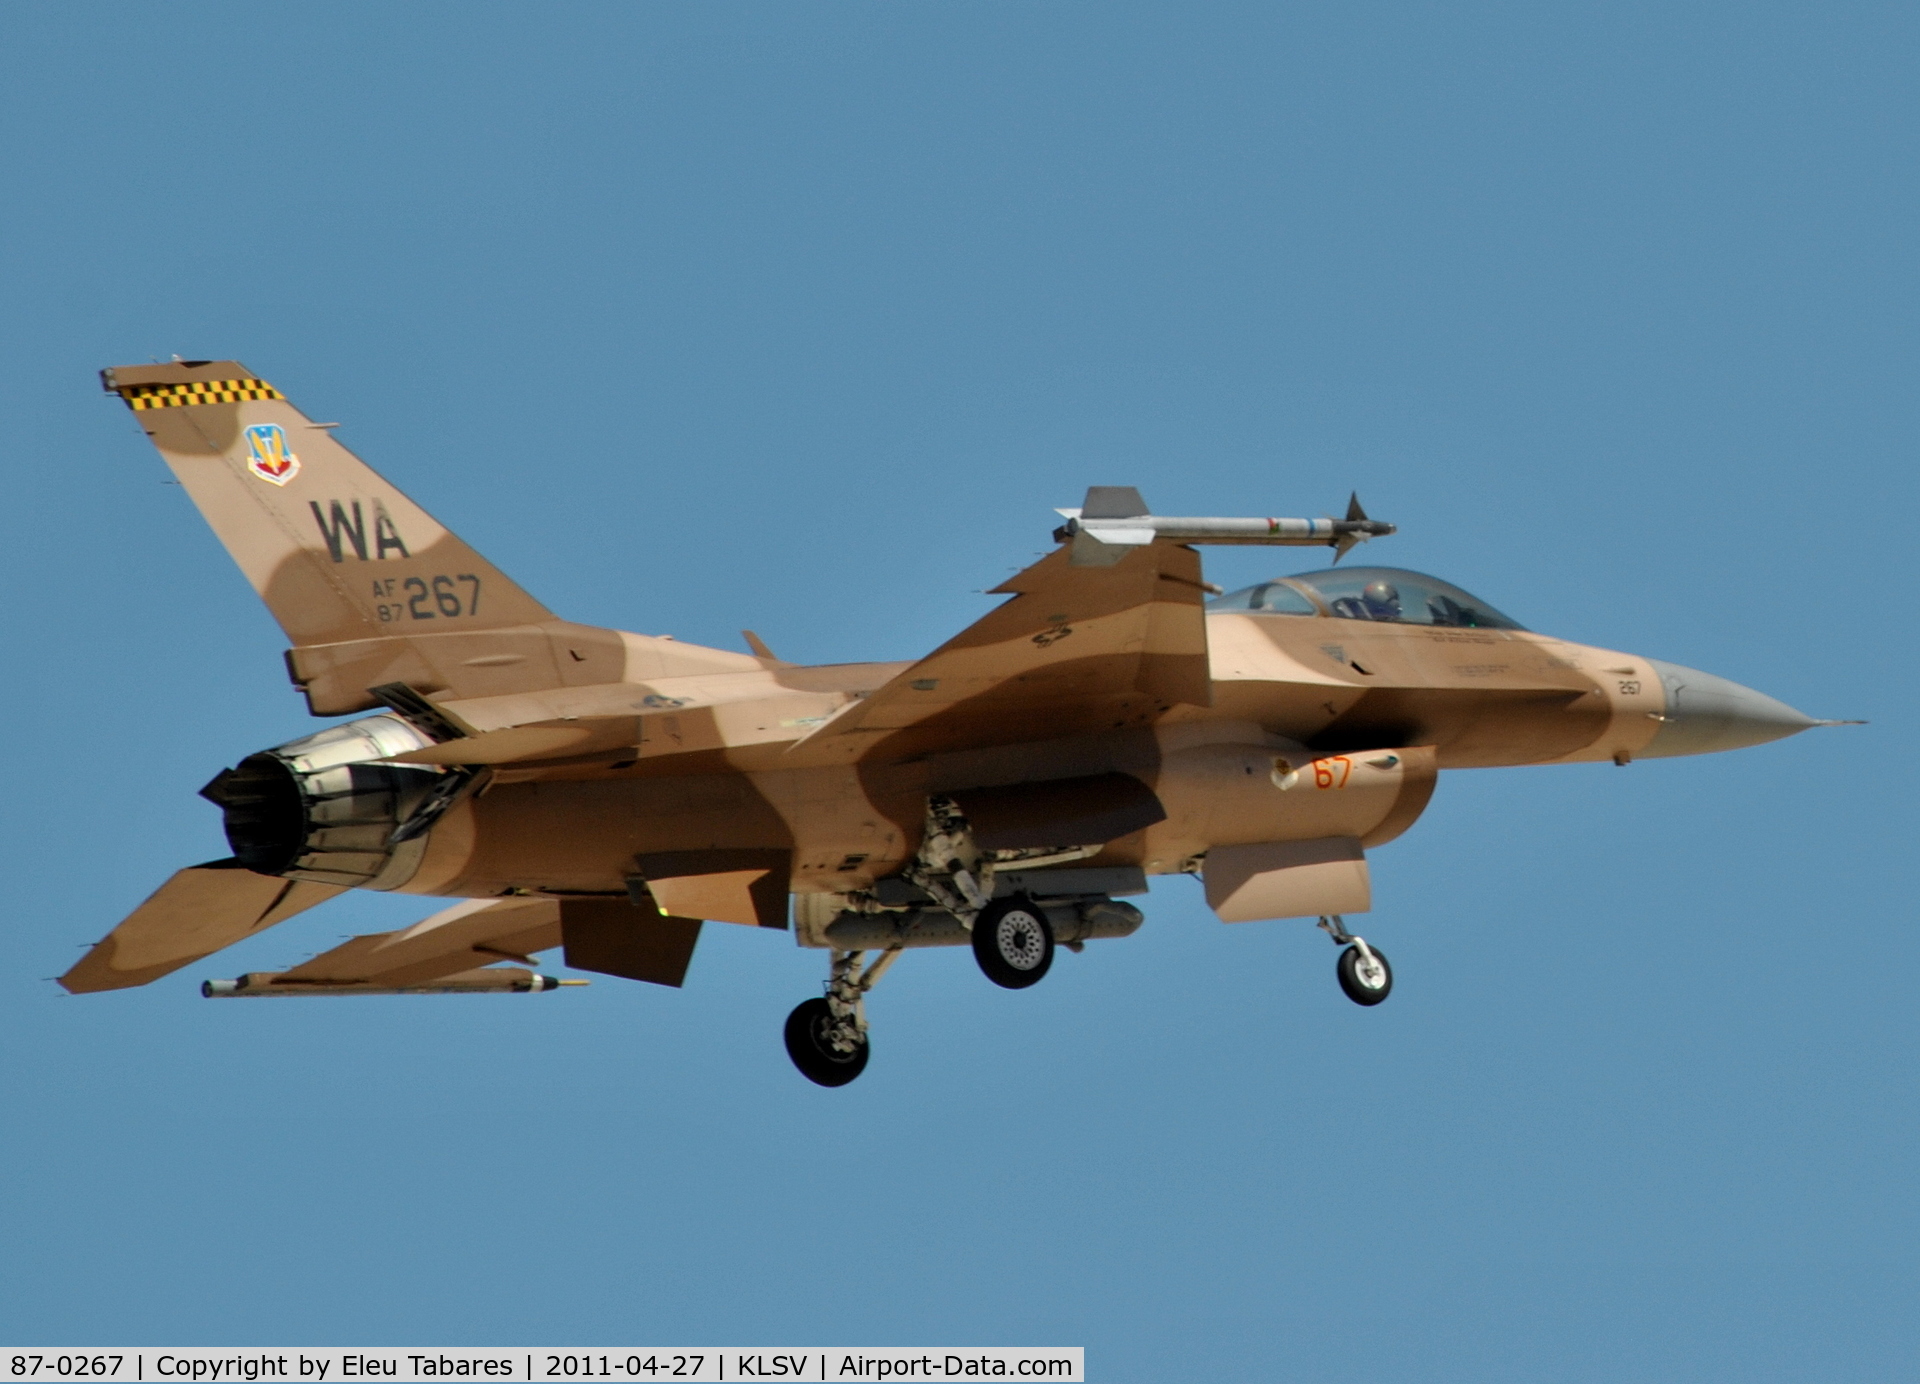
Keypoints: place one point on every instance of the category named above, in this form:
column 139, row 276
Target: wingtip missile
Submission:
column 502, row 980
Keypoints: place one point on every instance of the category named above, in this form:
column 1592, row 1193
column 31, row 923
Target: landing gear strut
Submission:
column 1012, row 939
column 1363, row 971
column 827, row 1037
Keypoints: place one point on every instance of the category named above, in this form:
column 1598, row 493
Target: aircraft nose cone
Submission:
column 1706, row 713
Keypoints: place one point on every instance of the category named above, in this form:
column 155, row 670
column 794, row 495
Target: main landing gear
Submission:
column 950, row 903
column 827, row 1038
column 1363, row 971
column 1012, row 938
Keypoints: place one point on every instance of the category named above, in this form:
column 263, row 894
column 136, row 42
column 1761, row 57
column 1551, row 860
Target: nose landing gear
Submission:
column 1363, row 972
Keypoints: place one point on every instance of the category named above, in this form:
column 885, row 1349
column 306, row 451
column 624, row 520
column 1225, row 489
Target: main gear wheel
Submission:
column 812, row 1046
column 1013, row 942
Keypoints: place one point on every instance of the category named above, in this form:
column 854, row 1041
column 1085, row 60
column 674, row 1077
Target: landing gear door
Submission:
column 1288, row 879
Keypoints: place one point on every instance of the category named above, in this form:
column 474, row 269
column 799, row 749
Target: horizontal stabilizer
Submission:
column 194, row 914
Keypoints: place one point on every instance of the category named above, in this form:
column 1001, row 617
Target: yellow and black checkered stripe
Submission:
column 144, row 396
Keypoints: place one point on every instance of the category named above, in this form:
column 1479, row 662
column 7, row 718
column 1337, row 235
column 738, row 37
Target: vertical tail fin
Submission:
column 335, row 550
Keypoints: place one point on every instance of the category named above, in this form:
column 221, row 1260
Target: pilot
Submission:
column 1381, row 600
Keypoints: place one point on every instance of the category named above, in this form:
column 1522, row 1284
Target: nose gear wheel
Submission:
column 1365, row 979
column 1362, row 970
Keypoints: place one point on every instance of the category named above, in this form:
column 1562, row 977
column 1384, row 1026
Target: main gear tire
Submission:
column 1013, row 942
column 1364, row 984
column 816, row 1057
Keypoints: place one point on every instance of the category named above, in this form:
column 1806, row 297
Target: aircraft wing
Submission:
column 611, row 936
column 1078, row 648
column 194, row 914
column 472, row 933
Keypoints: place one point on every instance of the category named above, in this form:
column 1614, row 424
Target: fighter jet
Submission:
column 610, row 793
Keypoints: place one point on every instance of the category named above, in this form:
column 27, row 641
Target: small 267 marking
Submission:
column 412, row 598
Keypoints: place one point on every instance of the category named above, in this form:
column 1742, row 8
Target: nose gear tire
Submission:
column 1013, row 942
column 816, row 1057
column 1364, row 984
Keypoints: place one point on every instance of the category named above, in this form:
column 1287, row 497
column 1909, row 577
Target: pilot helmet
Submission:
column 1380, row 593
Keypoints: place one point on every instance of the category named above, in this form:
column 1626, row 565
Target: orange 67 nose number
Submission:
column 1332, row 772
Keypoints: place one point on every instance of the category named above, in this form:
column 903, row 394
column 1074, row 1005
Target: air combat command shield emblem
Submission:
column 268, row 456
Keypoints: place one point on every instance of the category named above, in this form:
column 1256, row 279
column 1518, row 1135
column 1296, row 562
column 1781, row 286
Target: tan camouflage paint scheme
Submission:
column 610, row 750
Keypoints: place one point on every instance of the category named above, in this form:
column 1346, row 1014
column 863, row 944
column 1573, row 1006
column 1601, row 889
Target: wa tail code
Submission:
column 339, row 530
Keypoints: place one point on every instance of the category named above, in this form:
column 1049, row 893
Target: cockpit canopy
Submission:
column 1367, row 593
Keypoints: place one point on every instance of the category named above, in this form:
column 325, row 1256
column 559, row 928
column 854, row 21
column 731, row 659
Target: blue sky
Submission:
column 802, row 317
